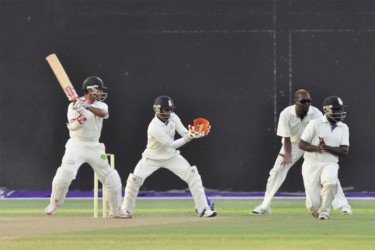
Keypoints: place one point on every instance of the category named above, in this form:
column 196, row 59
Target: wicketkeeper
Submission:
column 161, row 152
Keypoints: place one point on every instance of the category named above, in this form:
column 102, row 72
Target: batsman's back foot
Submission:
column 51, row 209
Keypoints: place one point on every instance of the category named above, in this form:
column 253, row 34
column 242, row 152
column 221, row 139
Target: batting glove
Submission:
column 81, row 104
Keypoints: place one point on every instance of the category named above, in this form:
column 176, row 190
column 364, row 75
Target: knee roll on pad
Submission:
column 192, row 174
column 131, row 192
column 60, row 184
column 113, row 181
column 194, row 181
column 135, row 179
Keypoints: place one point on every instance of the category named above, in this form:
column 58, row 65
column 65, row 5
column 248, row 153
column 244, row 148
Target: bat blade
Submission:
column 62, row 77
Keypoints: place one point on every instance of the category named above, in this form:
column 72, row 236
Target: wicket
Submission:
column 111, row 158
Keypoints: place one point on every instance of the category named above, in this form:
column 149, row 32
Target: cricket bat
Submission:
column 64, row 80
column 62, row 77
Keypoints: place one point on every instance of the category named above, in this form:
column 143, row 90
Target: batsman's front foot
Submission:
column 51, row 209
column 260, row 210
column 124, row 214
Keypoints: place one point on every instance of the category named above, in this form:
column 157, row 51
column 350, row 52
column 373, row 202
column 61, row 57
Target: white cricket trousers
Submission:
column 278, row 175
column 317, row 177
column 76, row 153
column 180, row 167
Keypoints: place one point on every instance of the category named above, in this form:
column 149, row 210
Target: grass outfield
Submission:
column 172, row 224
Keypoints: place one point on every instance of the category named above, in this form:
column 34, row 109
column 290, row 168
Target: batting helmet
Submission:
column 92, row 84
column 333, row 107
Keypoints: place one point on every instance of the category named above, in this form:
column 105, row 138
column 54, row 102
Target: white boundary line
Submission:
column 188, row 197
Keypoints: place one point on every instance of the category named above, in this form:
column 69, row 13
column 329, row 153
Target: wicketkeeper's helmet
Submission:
column 163, row 102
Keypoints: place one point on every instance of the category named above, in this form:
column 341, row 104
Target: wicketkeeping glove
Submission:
column 202, row 125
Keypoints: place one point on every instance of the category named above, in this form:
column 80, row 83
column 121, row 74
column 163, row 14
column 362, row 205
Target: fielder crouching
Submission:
column 161, row 152
column 85, row 118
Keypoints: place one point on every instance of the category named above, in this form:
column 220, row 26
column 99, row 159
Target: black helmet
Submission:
column 92, row 84
column 163, row 102
column 333, row 107
column 93, row 81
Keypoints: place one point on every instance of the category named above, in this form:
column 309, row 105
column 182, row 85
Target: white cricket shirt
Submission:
column 290, row 125
column 332, row 137
column 158, row 136
column 90, row 131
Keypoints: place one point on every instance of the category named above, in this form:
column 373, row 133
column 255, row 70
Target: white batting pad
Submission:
column 131, row 192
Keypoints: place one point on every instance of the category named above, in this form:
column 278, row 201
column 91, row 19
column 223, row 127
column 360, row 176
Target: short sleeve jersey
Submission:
column 333, row 136
column 91, row 129
column 160, row 135
column 291, row 125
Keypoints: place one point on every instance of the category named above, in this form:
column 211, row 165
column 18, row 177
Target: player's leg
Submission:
column 109, row 177
column 276, row 178
column 341, row 202
column 64, row 176
column 144, row 168
column 180, row 166
column 329, row 189
column 311, row 181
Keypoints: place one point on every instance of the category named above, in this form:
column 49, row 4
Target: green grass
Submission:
column 172, row 224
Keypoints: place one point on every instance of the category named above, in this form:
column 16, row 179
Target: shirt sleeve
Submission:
column 180, row 128
column 308, row 133
column 101, row 105
column 345, row 136
column 159, row 135
column 283, row 128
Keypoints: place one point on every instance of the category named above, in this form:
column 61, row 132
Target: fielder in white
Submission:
column 161, row 152
column 324, row 140
column 292, row 122
column 85, row 118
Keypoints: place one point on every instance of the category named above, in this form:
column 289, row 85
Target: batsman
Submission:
column 161, row 152
column 85, row 116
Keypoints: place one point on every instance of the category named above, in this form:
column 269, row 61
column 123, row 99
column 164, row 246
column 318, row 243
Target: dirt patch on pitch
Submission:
column 16, row 227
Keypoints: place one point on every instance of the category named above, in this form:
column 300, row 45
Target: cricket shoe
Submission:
column 51, row 209
column 346, row 211
column 124, row 214
column 260, row 210
column 207, row 213
column 210, row 203
column 323, row 216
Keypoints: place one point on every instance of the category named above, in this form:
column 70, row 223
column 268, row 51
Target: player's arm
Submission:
column 283, row 130
column 287, row 145
column 76, row 118
column 97, row 111
column 101, row 111
column 305, row 146
column 343, row 150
